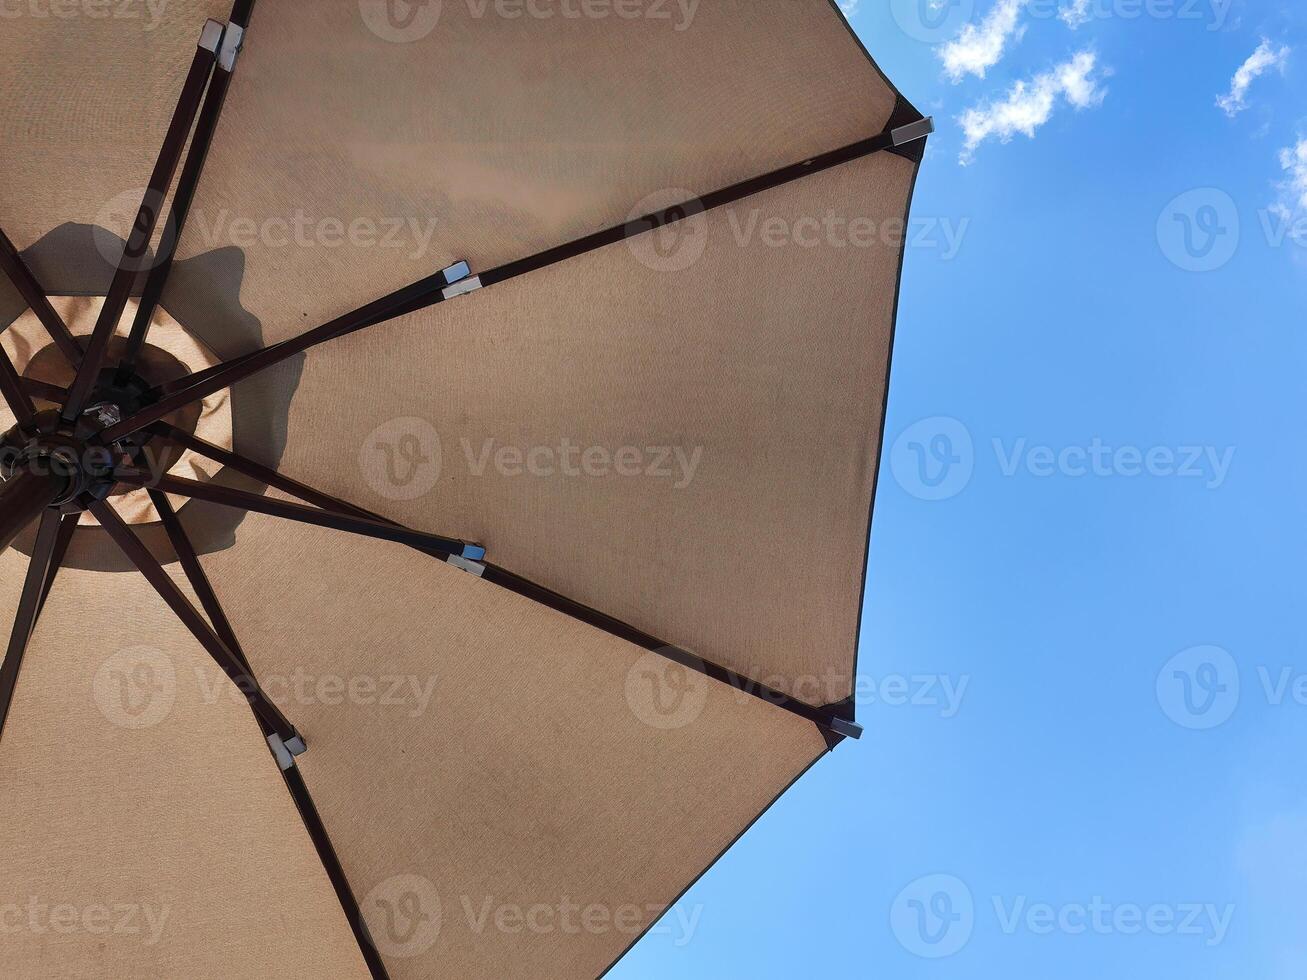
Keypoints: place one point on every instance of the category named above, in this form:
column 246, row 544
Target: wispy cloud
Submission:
column 1294, row 161
column 1030, row 104
column 1076, row 14
column 1266, row 57
column 980, row 47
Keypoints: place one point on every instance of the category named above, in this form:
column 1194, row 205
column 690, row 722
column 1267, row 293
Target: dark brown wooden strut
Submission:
column 228, row 497
column 201, row 141
column 299, row 791
column 147, row 217
column 29, row 608
column 430, row 290
column 226, row 659
column 15, row 394
column 23, row 496
column 13, row 266
column 831, row 720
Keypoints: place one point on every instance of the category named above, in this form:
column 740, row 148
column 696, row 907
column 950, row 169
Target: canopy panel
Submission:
column 86, row 93
column 357, row 156
column 691, row 451
column 144, row 828
column 477, row 757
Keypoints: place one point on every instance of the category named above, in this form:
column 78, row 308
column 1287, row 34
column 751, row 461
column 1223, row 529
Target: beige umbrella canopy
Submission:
column 488, row 395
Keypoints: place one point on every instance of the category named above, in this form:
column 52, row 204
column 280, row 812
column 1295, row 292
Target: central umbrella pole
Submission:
column 22, row 498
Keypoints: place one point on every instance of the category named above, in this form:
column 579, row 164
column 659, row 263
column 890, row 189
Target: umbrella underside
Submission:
column 539, row 519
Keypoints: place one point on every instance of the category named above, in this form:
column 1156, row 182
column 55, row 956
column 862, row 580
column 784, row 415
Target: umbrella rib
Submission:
column 187, row 185
column 142, row 231
column 436, row 288
column 12, row 264
column 29, row 607
column 264, row 474
column 830, row 720
column 67, row 527
column 190, row 562
column 228, row 497
column 295, row 785
column 222, row 654
column 15, row 393
column 44, row 389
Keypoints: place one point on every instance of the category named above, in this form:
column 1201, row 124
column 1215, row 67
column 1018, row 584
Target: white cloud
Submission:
column 849, row 7
column 1030, row 104
column 1259, row 62
column 978, row 49
column 1077, row 14
column 1294, row 188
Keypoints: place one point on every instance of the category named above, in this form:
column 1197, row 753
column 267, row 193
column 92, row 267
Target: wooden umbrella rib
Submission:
column 190, row 617
column 12, row 264
column 432, row 289
column 15, row 394
column 29, row 607
column 142, row 231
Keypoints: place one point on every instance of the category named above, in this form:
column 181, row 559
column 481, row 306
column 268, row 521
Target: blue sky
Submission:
column 1090, row 524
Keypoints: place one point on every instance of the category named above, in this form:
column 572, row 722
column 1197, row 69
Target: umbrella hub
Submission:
column 52, row 447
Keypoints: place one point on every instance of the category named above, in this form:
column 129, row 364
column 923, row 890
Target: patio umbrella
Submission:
column 487, row 394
